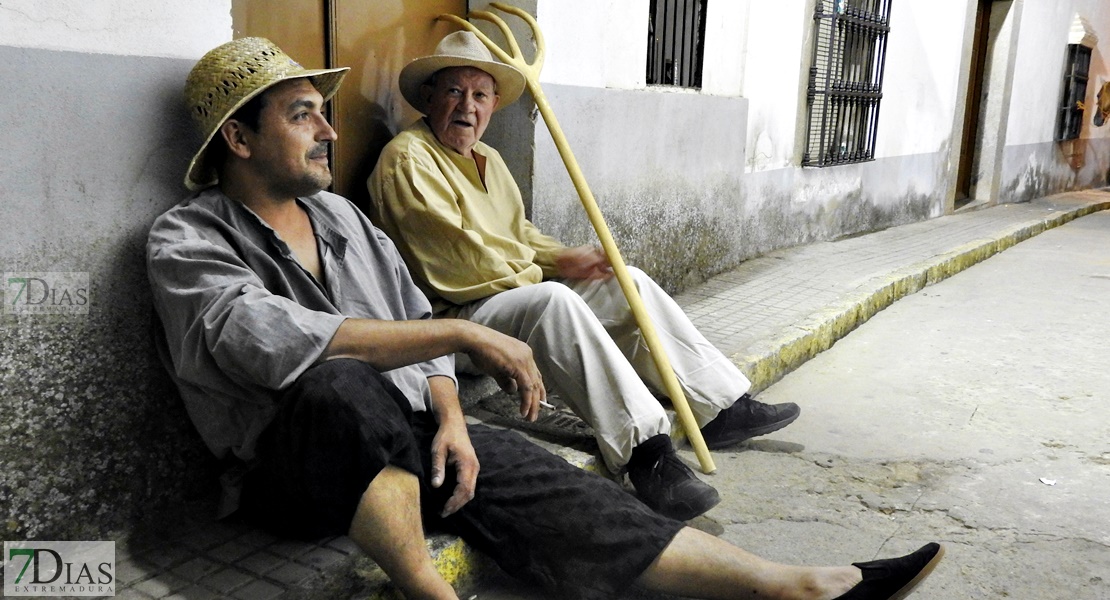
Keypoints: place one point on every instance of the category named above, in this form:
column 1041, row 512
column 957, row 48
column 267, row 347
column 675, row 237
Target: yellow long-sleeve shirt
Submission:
column 461, row 239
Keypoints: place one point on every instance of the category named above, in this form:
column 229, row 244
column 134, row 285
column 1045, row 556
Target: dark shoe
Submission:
column 895, row 578
column 666, row 484
column 746, row 419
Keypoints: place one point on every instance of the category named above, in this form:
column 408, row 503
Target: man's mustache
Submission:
column 320, row 151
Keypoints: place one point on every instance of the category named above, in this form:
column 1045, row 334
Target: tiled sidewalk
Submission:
column 769, row 315
column 777, row 311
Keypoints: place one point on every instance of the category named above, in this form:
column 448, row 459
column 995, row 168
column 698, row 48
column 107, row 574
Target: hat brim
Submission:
column 510, row 81
column 201, row 175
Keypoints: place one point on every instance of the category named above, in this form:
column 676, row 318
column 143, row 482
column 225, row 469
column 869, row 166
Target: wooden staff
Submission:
column 531, row 73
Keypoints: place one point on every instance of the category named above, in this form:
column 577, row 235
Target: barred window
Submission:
column 1069, row 119
column 845, row 81
column 676, row 41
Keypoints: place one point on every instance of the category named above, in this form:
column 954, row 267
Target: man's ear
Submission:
column 234, row 134
column 426, row 94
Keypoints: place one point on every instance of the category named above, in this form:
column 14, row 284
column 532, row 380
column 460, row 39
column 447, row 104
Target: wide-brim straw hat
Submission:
column 460, row 49
column 227, row 78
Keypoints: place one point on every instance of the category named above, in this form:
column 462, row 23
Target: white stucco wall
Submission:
column 1039, row 63
column 588, row 43
column 723, row 61
column 775, row 50
column 922, row 77
column 127, row 27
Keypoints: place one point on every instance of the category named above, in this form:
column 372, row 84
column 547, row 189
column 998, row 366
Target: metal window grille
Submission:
column 846, row 81
column 676, row 41
column 1069, row 118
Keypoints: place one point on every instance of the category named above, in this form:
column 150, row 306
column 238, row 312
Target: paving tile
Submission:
column 231, row 551
column 196, row 568
column 194, row 592
column 322, row 558
column 227, row 580
column 161, row 585
column 259, row 590
column 131, row 594
column 345, row 545
column 289, row 549
column 261, row 563
column 291, row 573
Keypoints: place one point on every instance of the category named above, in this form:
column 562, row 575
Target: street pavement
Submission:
column 941, row 425
column 976, row 412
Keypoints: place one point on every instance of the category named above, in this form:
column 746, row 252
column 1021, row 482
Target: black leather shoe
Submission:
column 895, row 578
column 669, row 487
column 746, row 419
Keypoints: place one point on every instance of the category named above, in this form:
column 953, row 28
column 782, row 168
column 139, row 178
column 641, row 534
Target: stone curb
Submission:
column 771, row 360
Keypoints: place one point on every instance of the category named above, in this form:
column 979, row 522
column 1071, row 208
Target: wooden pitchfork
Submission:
column 531, row 73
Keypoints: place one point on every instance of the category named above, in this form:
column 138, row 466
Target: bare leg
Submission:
column 696, row 564
column 388, row 528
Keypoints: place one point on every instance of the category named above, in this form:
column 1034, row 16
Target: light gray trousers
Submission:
column 592, row 356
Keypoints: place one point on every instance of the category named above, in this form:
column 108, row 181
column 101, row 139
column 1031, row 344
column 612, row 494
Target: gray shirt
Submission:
column 242, row 319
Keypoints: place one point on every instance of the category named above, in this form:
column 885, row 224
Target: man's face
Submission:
column 459, row 106
column 290, row 148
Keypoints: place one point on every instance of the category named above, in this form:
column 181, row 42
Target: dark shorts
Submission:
column 543, row 520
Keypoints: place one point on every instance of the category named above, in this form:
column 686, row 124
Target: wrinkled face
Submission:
column 460, row 103
column 290, row 148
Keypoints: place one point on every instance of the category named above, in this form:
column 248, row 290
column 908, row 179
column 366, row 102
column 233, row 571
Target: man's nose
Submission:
column 326, row 131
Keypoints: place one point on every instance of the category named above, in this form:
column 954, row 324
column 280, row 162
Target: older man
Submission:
column 307, row 361
column 456, row 215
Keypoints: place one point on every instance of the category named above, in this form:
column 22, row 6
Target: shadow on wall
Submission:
column 94, row 438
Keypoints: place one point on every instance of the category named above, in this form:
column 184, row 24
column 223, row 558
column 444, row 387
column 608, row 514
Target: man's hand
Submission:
column 509, row 361
column 583, row 262
column 451, row 446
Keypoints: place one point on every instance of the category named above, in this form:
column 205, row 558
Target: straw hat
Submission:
column 460, row 49
column 227, row 78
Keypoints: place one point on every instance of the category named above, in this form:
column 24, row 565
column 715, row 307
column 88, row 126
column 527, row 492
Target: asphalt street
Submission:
column 975, row 412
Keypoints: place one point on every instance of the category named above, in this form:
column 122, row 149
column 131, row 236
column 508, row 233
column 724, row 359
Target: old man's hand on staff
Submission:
column 583, row 262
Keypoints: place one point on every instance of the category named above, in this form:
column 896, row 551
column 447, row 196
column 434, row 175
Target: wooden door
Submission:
column 965, row 184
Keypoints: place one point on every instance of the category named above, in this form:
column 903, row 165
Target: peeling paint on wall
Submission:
column 1035, row 170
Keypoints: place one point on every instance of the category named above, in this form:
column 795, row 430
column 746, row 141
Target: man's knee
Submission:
column 641, row 279
column 346, row 386
column 552, row 294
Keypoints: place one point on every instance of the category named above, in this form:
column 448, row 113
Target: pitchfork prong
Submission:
column 537, row 34
column 499, row 52
column 514, row 48
column 467, row 25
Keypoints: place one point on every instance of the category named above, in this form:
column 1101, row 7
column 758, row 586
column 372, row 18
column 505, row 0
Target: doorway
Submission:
column 973, row 104
column 990, row 79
